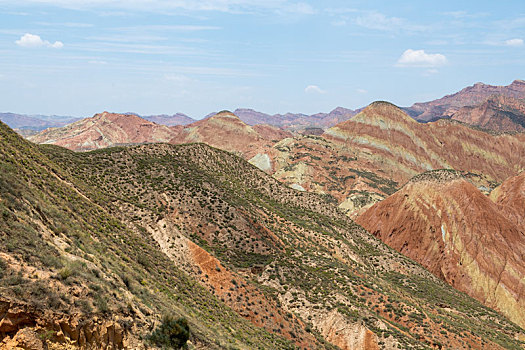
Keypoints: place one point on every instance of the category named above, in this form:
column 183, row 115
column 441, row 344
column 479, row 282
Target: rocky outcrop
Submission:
column 26, row 327
column 459, row 235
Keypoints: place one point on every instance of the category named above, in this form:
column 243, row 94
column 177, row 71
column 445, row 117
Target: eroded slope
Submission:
column 456, row 232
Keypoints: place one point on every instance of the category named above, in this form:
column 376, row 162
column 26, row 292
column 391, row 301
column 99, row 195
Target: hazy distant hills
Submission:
column 35, row 122
column 170, row 120
column 296, row 121
column 498, row 108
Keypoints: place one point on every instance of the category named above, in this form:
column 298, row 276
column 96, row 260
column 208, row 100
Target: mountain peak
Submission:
column 382, row 112
column 226, row 114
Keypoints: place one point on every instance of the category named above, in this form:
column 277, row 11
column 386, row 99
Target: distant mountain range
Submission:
column 35, row 122
column 473, row 95
column 499, row 108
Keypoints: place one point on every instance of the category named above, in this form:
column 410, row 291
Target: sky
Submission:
column 81, row 57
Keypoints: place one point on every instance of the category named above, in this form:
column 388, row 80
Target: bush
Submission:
column 171, row 334
column 3, row 267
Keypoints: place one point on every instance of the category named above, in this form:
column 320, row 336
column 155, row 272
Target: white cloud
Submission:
column 419, row 58
column 362, row 91
column 32, row 40
column 314, row 89
column 514, row 42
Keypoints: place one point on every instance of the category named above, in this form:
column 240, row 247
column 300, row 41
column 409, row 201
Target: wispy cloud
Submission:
column 380, row 21
column 419, row 58
column 33, row 40
column 66, row 24
column 314, row 89
column 146, row 48
column 164, row 27
column 98, row 62
column 514, row 42
column 298, row 8
column 230, row 6
column 464, row 14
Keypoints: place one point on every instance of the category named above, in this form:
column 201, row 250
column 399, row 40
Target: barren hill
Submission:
column 226, row 131
column 451, row 228
column 104, row 130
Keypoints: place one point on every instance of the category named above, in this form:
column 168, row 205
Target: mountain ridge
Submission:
column 469, row 96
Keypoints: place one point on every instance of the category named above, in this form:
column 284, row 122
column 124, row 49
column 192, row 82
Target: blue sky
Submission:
column 80, row 57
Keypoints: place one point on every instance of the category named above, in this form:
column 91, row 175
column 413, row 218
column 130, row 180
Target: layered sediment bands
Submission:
column 388, row 138
column 105, row 130
column 459, row 235
column 226, row 131
column 510, row 198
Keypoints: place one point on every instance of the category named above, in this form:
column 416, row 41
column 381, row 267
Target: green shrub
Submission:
column 3, row 267
column 171, row 334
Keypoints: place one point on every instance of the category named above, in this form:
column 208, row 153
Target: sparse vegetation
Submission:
column 281, row 255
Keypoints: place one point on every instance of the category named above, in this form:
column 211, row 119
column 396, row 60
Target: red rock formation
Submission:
column 271, row 133
column 226, row 131
column 458, row 234
column 469, row 96
column 499, row 113
column 387, row 137
column 510, row 198
column 105, row 130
